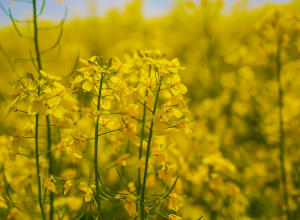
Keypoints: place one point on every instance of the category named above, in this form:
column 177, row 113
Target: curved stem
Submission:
column 37, row 116
column 96, row 152
column 281, row 131
column 51, row 168
column 147, row 156
column 141, row 143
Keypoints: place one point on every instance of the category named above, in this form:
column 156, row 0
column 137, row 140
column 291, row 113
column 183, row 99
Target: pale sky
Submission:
column 81, row 8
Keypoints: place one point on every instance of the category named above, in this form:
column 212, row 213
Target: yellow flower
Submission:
column 50, row 77
column 131, row 111
column 91, row 112
column 29, row 128
column 67, row 145
column 47, row 183
column 129, row 131
column 174, row 202
column 176, row 86
column 19, row 141
column 37, row 105
column 130, row 206
column 122, row 159
column 160, row 157
column 11, row 107
column 12, row 155
column 68, row 185
column 65, row 124
column 78, row 143
column 68, row 103
column 174, row 217
column 88, row 191
column 158, row 125
column 166, row 175
column 142, row 162
column 184, row 124
column 106, row 97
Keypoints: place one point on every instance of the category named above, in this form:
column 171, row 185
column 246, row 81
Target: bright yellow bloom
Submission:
column 174, row 202
column 37, row 105
column 67, row 145
column 130, row 111
column 130, row 206
column 142, row 162
column 19, row 141
column 68, row 103
column 11, row 107
column 67, row 186
column 88, row 191
column 12, row 155
column 78, row 143
column 129, row 131
column 174, row 217
column 158, row 125
column 184, row 124
column 176, row 86
column 166, row 175
column 29, row 128
column 91, row 112
column 50, row 77
column 122, row 159
column 65, row 124
column 160, row 157
column 47, row 183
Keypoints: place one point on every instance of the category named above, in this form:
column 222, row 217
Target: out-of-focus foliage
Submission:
column 229, row 167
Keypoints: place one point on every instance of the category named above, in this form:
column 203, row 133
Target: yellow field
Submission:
column 204, row 107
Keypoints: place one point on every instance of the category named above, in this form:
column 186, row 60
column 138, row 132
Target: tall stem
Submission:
column 39, row 62
column 51, row 168
column 141, row 143
column 147, row 156
column 281, row 130
column 96, row 151
column 37, row 116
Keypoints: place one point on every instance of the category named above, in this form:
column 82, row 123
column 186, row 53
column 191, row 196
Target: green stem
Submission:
column 147, row 156
column 38, row 166
column 96, row 152
column 37, row 116
column 281, row 130
column 141, row 142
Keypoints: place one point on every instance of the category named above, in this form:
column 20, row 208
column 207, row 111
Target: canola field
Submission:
column 192, row 115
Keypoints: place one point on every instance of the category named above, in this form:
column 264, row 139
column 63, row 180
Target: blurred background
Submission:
column 230, row 166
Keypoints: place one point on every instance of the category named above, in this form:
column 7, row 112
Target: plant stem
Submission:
column 141, row 143
column 51, row 168
column 281, row 130
column 37, row 116
column 96, row 152
column 147, row 156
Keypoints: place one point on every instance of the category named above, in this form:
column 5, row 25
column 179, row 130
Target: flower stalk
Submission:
column 148, row 153
column 281, row 131
column 37, row 115
column 96, row 150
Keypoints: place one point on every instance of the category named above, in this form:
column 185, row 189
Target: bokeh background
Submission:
column 229, row 167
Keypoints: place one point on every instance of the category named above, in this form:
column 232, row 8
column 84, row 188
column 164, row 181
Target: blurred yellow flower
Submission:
column 122, row 159
column 166, row 175
column 67, row 186
column 37, row 105
column 11, row 107
column 130, row 206
column 47, row 183
column 65, row 124
column 174, row 217
column 174, row 202
column 19, row 141
column 88, row 191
